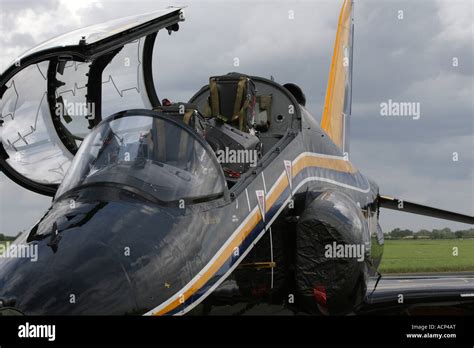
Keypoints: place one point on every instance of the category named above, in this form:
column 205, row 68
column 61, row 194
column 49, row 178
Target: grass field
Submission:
column 411, row 256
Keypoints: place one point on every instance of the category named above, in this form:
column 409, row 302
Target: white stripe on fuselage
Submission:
column 237, row 231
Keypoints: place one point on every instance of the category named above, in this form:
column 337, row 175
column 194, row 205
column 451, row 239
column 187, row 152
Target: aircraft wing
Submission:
column 415, row 208
column 423, row 294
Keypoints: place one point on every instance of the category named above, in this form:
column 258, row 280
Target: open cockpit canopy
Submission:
column 53, row 95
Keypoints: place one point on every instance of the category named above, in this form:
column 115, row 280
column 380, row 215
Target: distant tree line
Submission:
column 444, row 233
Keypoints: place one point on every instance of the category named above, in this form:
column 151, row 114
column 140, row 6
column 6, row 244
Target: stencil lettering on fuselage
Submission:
column 261, row 202
column 289, row 174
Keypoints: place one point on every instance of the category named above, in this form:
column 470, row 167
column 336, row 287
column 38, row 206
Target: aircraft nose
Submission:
column 101, row 258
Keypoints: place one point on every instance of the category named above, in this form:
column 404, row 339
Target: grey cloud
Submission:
column 19, row 208
column 399, row 53
column 11, row 9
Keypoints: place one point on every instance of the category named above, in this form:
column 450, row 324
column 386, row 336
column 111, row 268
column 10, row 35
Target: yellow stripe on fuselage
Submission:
column 306, row 160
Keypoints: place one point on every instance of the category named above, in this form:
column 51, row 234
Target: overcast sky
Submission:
column 405, row 60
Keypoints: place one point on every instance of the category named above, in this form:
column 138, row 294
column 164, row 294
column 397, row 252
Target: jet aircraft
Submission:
column 234, row 198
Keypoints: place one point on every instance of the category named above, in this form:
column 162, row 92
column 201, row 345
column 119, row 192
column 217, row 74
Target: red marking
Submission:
column 259, row 290
column 166, row 102
column 231, row 173
column 319, row 293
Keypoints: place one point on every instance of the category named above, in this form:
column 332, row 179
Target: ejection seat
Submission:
column 165, row 150
column 232, row 100
column 230, row 114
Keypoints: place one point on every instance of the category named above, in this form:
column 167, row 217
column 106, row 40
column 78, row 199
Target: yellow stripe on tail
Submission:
column 337, row 106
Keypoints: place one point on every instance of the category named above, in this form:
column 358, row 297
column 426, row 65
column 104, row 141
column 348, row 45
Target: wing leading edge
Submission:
column 415, row 208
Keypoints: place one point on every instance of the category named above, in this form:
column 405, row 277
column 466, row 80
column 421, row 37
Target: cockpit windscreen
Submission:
column 149, row 153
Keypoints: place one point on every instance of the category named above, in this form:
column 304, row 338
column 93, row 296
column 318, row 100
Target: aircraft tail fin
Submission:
column 337, row 105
